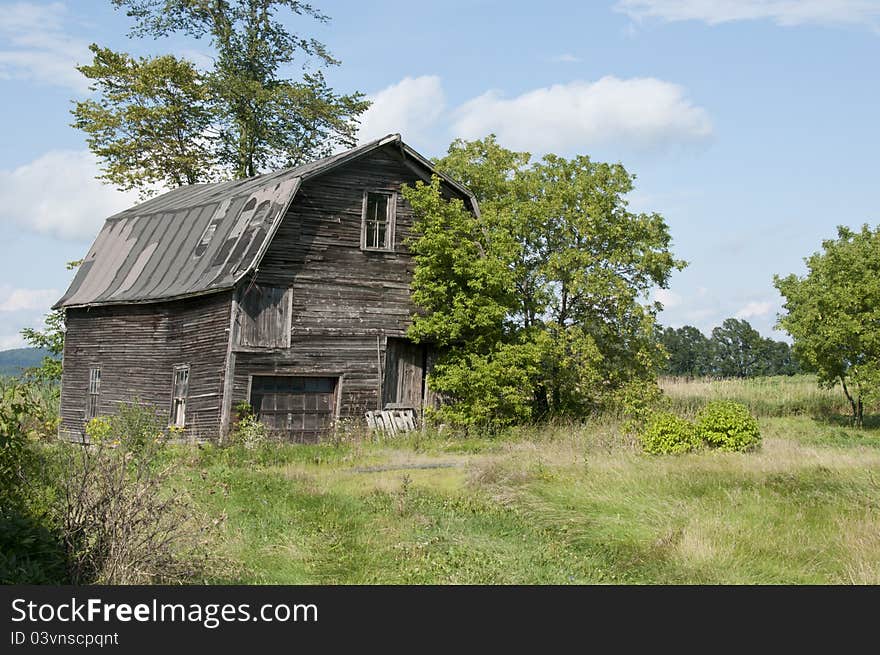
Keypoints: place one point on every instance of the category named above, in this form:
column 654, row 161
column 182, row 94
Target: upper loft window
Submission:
column 377, row 224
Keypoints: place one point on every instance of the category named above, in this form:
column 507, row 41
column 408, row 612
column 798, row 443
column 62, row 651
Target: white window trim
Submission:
column 174, row 397
column 392, row 220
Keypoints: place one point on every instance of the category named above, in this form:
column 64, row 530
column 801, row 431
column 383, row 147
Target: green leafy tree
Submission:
column 738, row 349
column 551, row 275
column 162, row 121
column 149, row 125
column 833, row 314
column 779, row 358
column 735, row 350
column 50, row 338
column 689, row 351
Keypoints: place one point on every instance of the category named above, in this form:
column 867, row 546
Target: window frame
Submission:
column 390, row 223
column 93, row 397
column 176, row 399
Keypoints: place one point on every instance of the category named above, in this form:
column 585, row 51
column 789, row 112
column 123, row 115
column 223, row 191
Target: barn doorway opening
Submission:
column 404, row 377
column 296, row 408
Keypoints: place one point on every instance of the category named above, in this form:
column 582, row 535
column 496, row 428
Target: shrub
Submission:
column 728, row 425
column 489, row 391
column 31, row 551
column 15, row 455
column 667, row 433
column 118, row 521
column 249, row 431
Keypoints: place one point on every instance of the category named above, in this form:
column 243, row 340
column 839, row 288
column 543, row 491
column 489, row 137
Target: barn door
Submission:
column 403, row 385
column 299, row 409
column 265, row 317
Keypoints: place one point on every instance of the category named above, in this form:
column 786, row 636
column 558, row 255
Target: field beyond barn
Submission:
column 558, row 505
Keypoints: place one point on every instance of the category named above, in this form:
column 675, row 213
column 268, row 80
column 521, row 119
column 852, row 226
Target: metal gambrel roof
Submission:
column 197, row 239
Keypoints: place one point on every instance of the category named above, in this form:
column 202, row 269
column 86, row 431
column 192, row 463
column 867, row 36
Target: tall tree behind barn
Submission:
column 289, row 291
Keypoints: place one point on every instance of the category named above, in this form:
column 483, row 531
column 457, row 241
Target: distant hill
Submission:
column 13, row 362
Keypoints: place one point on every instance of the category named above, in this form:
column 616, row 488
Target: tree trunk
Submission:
column 856, row 407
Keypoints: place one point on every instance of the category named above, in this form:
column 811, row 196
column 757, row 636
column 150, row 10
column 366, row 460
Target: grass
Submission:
column 558, row 505
column 768, row 396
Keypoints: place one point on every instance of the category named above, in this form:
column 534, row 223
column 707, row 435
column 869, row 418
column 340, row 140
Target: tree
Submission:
column 161, row 121
column 550, row 276
column 689, row 351
column 737, row 349
column 149, row 125
column 50, row 338
column 779, row 358
column 833, row 314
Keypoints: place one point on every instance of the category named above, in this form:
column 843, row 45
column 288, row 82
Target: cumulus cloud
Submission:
column 36, row 47
column 57, row 195
column 16, row 300
column 639, row 113
column 781, row 12
column 567, row 58
column 755, row 310
column 411, row 107
column 667, row 298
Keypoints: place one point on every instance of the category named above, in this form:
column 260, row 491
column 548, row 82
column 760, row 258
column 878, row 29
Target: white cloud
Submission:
column 17, row 300
column 9, row 341
column 781, row 12
column 57, row 194
column 567, row 58
column 37, row 48
column 411, row 107
column 755, row 310
column 667, row 298
column 639, row 113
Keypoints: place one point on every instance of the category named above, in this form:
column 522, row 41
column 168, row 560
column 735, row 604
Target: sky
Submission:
column 751, row 125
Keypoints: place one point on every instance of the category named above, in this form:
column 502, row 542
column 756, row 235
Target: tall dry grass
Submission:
column 797, row 395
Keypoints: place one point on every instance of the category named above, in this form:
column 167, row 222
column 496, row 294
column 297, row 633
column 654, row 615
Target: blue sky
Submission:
column 752, row 125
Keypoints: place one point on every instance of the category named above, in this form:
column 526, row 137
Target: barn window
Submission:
column 178, row 396
column 377, row 224
column 94, row 392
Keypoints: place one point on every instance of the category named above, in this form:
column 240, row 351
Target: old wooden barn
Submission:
column 289, row 291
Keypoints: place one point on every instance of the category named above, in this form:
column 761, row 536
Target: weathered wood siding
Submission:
column 346, row 301
column 137, row 347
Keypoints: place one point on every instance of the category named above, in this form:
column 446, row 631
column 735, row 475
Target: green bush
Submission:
column 248, row 431
column 667, row 433
column 728, row 425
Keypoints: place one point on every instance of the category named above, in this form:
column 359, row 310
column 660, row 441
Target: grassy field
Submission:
column 555, row 505
column 769, row 396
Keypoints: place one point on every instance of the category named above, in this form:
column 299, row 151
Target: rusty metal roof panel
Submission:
column 194, row 239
